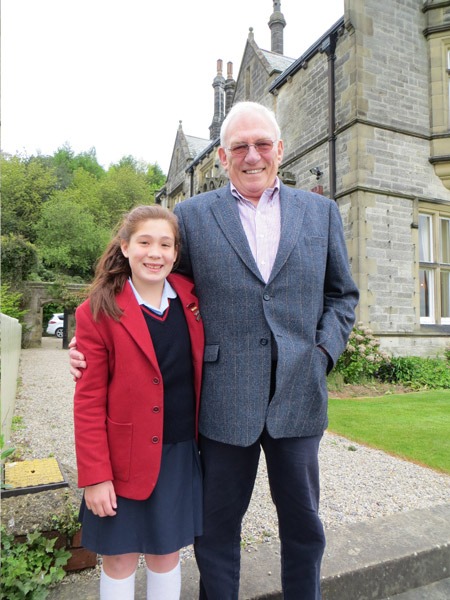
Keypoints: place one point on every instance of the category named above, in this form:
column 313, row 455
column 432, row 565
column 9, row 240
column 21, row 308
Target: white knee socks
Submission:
column 116, row 589
column 164, row 586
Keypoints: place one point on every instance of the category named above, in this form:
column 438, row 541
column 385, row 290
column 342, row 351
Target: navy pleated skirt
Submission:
column 168, row 520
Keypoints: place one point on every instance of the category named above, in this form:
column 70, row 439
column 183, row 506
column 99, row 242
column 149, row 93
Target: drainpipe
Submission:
column 191, row 181
column 329, row 47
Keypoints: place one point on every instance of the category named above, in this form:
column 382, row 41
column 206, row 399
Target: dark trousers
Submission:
column 229, row 477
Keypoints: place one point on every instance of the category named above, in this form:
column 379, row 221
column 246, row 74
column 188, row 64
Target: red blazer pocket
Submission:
column 120, row 437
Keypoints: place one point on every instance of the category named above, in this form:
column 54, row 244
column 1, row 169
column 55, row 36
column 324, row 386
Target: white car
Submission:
column 56, row 325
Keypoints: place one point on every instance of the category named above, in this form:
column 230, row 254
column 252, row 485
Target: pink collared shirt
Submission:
column 261, row 224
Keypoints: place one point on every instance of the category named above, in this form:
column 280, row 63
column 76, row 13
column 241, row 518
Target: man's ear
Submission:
column 223, row 158
column 280, row 150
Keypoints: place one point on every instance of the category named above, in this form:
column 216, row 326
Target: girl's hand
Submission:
column 101, row 499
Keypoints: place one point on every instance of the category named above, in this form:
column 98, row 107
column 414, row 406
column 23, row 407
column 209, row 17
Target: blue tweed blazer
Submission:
column 308, row 301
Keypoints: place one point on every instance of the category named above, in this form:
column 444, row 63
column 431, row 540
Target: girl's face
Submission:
column 151, row 252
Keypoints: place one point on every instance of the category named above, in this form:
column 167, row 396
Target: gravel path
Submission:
column 358, row 483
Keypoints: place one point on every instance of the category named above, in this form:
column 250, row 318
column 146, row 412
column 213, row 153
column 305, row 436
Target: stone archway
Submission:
column 36, row 295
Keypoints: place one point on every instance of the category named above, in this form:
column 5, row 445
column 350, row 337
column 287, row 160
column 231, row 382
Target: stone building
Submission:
column 365, row 117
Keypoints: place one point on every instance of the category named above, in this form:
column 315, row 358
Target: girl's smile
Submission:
column 151, row 253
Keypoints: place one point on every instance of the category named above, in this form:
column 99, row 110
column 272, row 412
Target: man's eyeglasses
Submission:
column 261, row 147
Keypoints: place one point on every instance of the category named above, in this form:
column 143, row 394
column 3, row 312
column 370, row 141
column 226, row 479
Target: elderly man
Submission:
column 277, row 299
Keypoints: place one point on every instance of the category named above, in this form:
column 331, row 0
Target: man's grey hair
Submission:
column 248, row 107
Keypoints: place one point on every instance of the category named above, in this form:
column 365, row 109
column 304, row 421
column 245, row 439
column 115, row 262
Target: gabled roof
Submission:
column 196, row 145
column 277, row 62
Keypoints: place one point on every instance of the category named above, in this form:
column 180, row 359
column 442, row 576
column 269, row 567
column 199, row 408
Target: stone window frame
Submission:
column 434, row 266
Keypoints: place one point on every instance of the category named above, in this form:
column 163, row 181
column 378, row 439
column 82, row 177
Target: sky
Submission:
column 119, row 75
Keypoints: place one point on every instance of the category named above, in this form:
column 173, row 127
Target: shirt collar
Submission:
column 270, row 192
column 168, row 292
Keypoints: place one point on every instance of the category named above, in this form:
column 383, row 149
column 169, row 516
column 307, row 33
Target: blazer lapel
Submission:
column 292, row 214
column 134, row 322
column 226, row 212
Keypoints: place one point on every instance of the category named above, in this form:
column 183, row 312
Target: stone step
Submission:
column 440, row 590
column 397, row 554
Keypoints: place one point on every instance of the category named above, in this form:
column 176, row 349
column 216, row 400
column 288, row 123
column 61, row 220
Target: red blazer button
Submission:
column 155, row 380
column 155, row 439
column 156, row 409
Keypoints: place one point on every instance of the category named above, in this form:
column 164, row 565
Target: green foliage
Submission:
column 65, row 163
column 362, row 357
column 66, row 205
column 30, row 567
column 11, row 302
column 26, row 186
column 155, row 177
column 416, row 372
column 68, row 238
column 69, row 299
column 67, row 522
column 124, row 187
column 19, row 257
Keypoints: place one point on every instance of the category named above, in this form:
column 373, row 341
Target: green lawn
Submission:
column 413, row 426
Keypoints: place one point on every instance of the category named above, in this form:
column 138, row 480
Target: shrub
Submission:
column 362, row 356
column 417, row 373
column 29, row 567
column 11, row 302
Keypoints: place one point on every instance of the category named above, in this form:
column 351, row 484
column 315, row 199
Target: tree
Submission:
column 26, row 186
column 66, row 205
column 11, row 303
column 124, row 187
column 19, row 258
column 155, row 177
column 65, row 163
column 68, row 238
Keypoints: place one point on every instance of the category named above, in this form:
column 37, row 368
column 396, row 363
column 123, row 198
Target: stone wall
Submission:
column 11, row 338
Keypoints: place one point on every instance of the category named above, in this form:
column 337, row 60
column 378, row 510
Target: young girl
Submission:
column 136, row 408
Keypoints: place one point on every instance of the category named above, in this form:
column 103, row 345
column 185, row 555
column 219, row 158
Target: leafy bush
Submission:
column 19, row 258
column 11, row 303
column 417, row 373
column 362, row 357
column 29, row 567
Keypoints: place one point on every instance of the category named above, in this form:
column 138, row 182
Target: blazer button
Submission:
column 156, row 409
column 155, row 439
column 263, row 341
column 155, row 380
column 266, row 297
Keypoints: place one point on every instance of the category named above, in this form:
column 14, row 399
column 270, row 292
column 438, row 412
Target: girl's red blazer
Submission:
column 118, row 404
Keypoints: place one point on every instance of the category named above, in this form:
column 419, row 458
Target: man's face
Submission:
column 253, row 172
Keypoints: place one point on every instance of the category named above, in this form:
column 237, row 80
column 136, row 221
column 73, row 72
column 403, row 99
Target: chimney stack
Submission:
column 276, row 24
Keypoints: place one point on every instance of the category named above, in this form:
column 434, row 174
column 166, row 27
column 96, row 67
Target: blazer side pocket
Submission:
column 120, row 436
column 211, row 353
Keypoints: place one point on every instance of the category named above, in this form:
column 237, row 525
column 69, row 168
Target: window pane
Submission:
column 445, row 241
column 426, row 288
column 425, row 233
column 445, row 294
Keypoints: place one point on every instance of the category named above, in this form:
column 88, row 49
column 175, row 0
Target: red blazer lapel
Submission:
column 134, row 322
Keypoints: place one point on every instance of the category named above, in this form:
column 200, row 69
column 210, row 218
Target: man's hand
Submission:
column 101, row 499
column 77, row 361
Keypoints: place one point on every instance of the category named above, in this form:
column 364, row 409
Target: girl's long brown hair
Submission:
column 113, row 268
